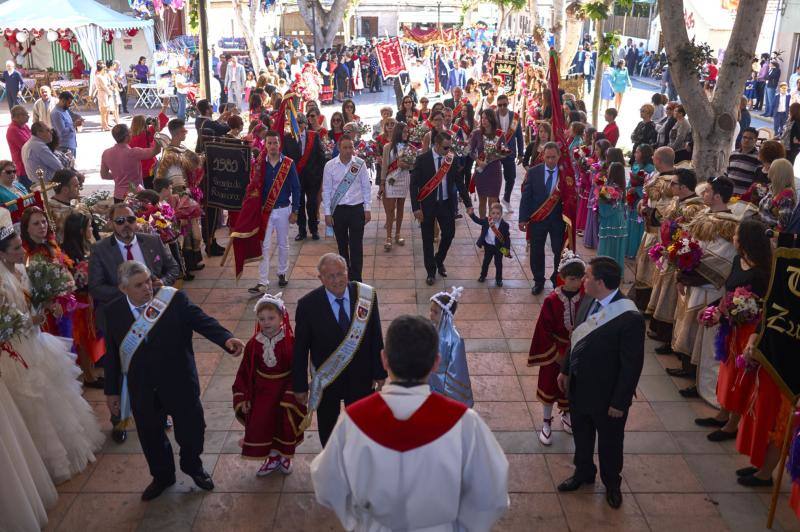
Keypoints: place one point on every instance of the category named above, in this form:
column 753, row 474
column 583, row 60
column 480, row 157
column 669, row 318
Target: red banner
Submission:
column 430, row 36
column 390, row 57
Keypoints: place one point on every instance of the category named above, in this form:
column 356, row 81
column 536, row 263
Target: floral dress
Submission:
column 776, row 209
column 487, row 182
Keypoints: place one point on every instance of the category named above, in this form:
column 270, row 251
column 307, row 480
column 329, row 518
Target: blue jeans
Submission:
column 778, row 122
column 769, row 94
column 181, row 106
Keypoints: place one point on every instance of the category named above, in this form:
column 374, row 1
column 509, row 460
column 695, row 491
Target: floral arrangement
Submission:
column 81, row 275
column 581, row 155
column 417, row 131
column 684, row 252
column 96, row 198
column 327, row 146
column 607, row 194
column 755, row 193
column 632, row 195
column 657, row 253
column 367, row 150
column 407, row 156
column 741, row 306
column 12, row 323
column 599, row 170
column 460, row 146
column 363, row 129
column 48, row 281
column 494, row 150
column 161, row 221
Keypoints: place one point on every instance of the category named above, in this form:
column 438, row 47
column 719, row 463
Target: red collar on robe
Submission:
column 432, row 420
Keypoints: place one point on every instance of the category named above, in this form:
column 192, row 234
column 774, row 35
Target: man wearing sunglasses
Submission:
column 435, row 187
column 126, row 244
column 511, row 127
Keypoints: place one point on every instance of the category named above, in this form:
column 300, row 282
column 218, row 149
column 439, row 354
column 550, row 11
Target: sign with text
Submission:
column 227, row 174
column 505, row 66
column 778, row 345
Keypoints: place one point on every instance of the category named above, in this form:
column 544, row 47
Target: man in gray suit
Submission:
column 109, row 253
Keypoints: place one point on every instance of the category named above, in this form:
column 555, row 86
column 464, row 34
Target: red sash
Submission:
column 393, row 166
column 436, row 180
column 546, row 208
column 459, row 105
column 512, row 127
column 454, row 130
column 497, row 234
column 306, row 153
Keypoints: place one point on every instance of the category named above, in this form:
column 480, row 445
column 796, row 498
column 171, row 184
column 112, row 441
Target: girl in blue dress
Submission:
column 620, row 82
column 642, row 167
column 451, row 377
column 611, row 212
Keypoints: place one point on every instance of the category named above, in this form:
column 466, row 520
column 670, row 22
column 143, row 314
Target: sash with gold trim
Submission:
column 251, row 224
column 307, row 152
column 434, row 182
column 459, row 107
column 337, row 362
column 501, row 241
column 512, row 127
column 546, row 207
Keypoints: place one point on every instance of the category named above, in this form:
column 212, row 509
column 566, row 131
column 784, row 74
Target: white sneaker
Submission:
column 270, row 464
column 285, row 465
column 507, row 206
column 566, row 422
column 545, row 435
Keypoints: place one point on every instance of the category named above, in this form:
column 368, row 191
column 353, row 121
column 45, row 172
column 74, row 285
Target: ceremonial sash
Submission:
column 459, row 105
column 436, row 180
column 454, row 130
column 497, row 234
column 277, row 185
column 546, row 207
column 346, row 183
column 393, row 166
column 600, row 318
column 336, row 363
column 306, row 153
column 512, row 127
column 135, row 337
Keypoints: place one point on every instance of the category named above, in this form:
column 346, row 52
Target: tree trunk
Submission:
column 572, row 36
column 714, row 122
column 598, row 73
column 558, row 23
column 533, row 8
column 503, row 14
column 323, row 24
column 250, row 32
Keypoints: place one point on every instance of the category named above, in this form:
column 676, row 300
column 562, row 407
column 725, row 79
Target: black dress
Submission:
column 757, row 279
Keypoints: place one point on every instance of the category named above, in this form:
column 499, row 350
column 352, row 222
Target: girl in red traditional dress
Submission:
column 550, row 341
column 262, row 392
column 751, row 268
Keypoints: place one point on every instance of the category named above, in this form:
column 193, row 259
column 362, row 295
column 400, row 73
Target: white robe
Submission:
column 456, row 482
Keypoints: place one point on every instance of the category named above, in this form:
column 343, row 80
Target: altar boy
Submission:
column 434, row 463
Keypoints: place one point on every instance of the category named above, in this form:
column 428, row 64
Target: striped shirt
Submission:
column 742, row 170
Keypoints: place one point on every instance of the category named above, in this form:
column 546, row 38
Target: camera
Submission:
column 151, row 121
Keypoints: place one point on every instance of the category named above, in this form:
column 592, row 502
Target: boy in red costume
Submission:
column 262, row 392
column 551, row 340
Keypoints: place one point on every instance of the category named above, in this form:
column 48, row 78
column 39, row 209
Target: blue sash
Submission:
column 135, row 337
column 347, row 182
column 336, row 363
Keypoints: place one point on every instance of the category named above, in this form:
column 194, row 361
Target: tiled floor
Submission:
column 674, row 479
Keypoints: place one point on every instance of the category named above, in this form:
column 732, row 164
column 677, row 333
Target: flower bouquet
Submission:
column 460, row 146
column 684, row 252
column 161, row 220
column 581, row 155
column 494, row 150
column 81, row 275
column 367, row 150
column 327, row 146
column 363, row 129
column 406, row 157
column 657, row 254
column 741, row 306
column 607, row 194
column 755, row 193
column 12, row 323
column 48, row 281
column 417, row 131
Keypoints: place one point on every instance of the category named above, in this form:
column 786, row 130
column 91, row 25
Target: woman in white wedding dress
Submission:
column 47, row 392
column 26, row 491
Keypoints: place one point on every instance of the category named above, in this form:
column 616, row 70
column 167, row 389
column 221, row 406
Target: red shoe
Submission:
column 270, row 464
column 286, row 465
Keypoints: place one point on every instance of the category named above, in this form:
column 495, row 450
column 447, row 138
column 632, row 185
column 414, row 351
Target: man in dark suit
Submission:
column 440, row 204
column 600, row 374
column 454, row 100
column 323, row 319
column 162, row 376
column 540, row 184
column 309, row 157
column 512, row 136
column 109, row 253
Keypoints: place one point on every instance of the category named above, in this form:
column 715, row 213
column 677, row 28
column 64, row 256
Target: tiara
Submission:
column 272, row 300
column 6, row 232
column 569, row 257
column 454, row 294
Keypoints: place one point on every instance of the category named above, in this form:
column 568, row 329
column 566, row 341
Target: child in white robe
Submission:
column 409, row 459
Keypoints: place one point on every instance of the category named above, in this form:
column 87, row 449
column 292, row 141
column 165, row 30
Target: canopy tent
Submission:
column 86, row 18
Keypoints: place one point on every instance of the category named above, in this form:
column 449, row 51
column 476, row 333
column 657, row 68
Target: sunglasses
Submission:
column 446, row 148
column 122, row 219
column 10, row 171
column 502, row 105
column 336, row 119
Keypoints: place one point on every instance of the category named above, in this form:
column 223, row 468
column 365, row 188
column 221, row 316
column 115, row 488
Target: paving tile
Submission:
column 100, row 512
column 678, row 511
column 717, row 472
column 300, row 511
column 590, row 511
column 300, row 478
column 743, row 512
column 561, row 468
column 496, row 388
column 532, row 511
column 642, row 418
column 506, row 415
column 56, row 514
column 521, row 367
column 248, row 512
column 658, row 388
column 660, row 474
column 490, row 364
column 172, row 511
column 528, row 473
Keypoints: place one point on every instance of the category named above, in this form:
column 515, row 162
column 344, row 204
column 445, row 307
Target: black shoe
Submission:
column 746, row 471
column 188, row 276
column 282, row 280
column 197, row 267
column 614, row 497
column 203, row 480
column 709, row 422
column 155, row 489
column 442, row 270
column 679, row 372
column 314, row 236
column 482, row 279
column 215, row 250
column 98, row 384
column 689, row 393
column 119, row 436
column 459, row 216
column 498, row 282
column 665, row 349
column 573, row 483
column 537, row 289
column 429, row 281
column 300, row 237
column 722, row 435
column 752, row 481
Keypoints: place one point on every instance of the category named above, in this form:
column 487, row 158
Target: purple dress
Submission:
column 591, row 232
column 488, row 182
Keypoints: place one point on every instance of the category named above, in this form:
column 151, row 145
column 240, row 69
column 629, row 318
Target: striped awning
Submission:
column 62, row 61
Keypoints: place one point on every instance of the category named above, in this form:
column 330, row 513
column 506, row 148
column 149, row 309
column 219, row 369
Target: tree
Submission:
column 506, row 7
column 713, row 122
column 558, row 23
column 348, row 15
column 324, row 23
column 249, row 27
column 572, row 36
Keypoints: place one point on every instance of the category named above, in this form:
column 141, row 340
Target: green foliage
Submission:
column 511, row 5
column 194, row 16
column 694, row 56
column 611, row 40
column 600, row 9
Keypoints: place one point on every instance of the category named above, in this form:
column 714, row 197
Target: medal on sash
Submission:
column 348, row 180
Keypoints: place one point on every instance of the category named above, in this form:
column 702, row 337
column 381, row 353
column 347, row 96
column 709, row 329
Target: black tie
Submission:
column 439, row 189
column 595, row 307
column 549, row 183
column 344, row 321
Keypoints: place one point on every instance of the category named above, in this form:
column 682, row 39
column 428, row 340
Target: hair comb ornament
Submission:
column 454, row 294
column 568, row 257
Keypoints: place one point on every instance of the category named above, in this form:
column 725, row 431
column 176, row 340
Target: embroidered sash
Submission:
column 134, row 338
column 336, row 363
column 275, row 189
column 546, row 207
column 393, row 166
column 512, row 128
column 600, row 318
column 497, row 234
column 436, row 180
column 347, row 182
column 307, row 152
column 459, row 106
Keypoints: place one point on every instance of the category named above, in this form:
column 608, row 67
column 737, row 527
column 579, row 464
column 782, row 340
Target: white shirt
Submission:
column 335, row 304
column 359, row 192
column 134, row 308
column 504, row 120
column 491, row 239
column 138, row 256
column 456, row 482
column 605, row 301
column 781, row 102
